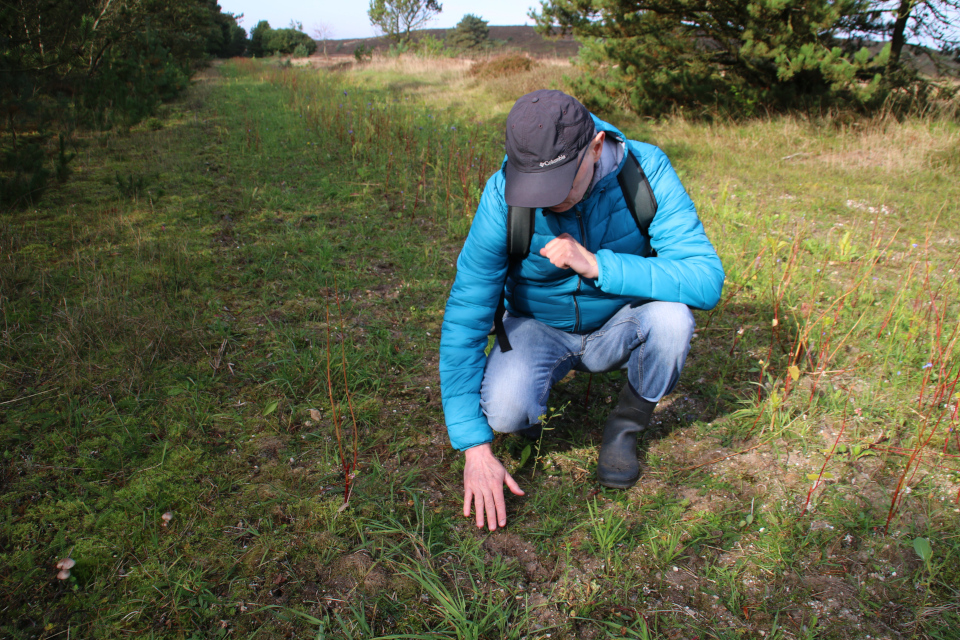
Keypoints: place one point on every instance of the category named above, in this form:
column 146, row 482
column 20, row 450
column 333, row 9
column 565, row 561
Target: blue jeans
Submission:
column 650, row 340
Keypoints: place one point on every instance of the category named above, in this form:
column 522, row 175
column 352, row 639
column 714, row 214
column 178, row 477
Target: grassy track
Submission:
column 172, row 343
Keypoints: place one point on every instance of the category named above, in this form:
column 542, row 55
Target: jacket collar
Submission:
column 611, row 159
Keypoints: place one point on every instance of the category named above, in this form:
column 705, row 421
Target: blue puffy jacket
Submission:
column 686, row 269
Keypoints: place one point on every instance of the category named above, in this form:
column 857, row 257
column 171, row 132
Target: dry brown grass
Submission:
column 890, row 146
column 416, row 65
column 880, row 144
column 448, row 83
column 502, row 66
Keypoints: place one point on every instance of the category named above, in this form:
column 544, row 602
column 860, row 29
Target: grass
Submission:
column 166, row 348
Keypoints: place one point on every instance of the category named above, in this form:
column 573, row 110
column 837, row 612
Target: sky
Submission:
column 348, row 18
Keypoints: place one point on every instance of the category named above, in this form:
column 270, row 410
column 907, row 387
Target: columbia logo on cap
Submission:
column 547, row 163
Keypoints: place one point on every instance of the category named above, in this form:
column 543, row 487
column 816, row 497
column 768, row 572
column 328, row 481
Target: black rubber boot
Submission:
column 618, row 467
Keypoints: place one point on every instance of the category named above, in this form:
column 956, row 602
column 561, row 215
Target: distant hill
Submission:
column 520, row 38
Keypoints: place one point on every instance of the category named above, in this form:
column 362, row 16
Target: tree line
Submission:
column 101, row 64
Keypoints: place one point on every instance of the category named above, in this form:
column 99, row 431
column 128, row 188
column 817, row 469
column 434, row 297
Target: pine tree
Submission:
column 470, row 33
column 738, row 56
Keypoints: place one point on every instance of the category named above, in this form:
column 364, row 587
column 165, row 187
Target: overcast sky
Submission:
column 348, row 18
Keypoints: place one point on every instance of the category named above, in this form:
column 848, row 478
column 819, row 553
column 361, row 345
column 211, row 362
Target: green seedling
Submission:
column 535, row 449
column 924, row 550
column 747, row 519
column 608, row 530
column 664, row 547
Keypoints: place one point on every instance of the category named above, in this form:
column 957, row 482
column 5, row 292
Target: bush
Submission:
column 397, row 49
column 501, row 66
column 132, row 84
column 300, row 51
column 430, row 47
column 285, row 41
column 362, row 52
column 23, row 176
column 265, row 41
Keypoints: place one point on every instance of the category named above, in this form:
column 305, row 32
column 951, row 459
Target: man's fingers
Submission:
column 555, row 256
column 467, row 499
column 512, row 485
column 478, row 507
column 500, row 504
column 489, row 501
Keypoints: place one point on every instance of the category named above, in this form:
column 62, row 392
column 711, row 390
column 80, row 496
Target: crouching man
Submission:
column 617, row 257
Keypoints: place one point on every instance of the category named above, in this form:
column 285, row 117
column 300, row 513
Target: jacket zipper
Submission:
column 583, row 241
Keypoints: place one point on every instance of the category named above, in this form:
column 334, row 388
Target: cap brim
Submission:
column 539, row 190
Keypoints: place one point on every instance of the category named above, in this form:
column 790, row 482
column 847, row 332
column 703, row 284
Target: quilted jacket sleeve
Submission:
column 686, row 268
column 481, row 270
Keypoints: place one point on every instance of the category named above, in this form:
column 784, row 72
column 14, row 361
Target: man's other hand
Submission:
column 566, row 253
column 483, row 480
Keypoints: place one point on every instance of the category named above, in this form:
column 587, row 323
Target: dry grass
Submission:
column 889, row 146
column 447, row 83
column 417, row 65
column 502, row 66
column 878, row 145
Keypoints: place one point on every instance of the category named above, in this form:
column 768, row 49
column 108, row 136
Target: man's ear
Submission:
column 596, row 145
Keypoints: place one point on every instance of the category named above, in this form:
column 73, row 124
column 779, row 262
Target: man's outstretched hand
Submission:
column 483, row 480
column 566, row 253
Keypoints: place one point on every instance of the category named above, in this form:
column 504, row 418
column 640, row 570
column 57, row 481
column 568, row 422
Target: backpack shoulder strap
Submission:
column 638, row 194
column 519, row 233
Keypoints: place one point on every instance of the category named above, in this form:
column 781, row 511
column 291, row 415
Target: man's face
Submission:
column 584, row 175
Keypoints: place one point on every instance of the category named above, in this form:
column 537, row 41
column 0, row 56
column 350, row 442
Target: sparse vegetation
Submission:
column 168, row 415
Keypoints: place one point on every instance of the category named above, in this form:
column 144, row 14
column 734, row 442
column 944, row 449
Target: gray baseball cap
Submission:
column 546, row 131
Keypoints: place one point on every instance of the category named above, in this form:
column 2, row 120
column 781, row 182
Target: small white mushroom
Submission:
column 167, row 517
column 66, row 564
column 63, row 574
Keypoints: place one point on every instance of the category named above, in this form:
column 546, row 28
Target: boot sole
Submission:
column 622, row 484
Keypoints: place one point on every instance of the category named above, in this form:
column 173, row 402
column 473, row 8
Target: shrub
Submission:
column 23, row 176
column 265, row 41
column 430, row 47
column 300, row 51
column 362, row 53
column 286, row 41
column 132, row 83
column 501, row 66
